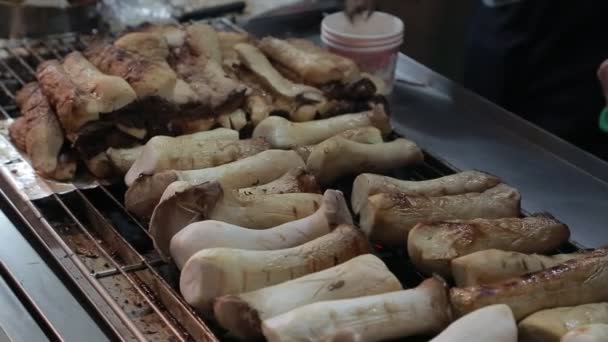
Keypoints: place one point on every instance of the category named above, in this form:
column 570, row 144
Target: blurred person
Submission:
column 538, row 59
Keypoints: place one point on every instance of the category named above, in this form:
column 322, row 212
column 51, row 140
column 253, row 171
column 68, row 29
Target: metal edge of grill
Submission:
column 106, row 252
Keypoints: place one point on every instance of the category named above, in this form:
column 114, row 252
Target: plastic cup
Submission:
column 373, row 43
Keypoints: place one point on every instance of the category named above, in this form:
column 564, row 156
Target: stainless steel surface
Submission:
column 17, row 21
column 28, row 302
column 62, row 309
column 472, row 133
column 16, row 324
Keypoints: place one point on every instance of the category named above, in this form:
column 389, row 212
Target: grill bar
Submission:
column 111, row 260
column 126, row 269
column 104, row 307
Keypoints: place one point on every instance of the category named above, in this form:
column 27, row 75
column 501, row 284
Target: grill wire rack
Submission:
column 104, row 252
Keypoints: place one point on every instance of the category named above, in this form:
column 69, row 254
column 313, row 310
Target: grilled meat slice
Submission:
column 39, row 134
column 313, row 64
column 575, row 282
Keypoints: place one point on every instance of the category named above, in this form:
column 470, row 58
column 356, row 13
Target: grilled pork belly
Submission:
column 575, row 282
column 388, row 217
column 39, row 134
column 313, row 64
column 432, row 246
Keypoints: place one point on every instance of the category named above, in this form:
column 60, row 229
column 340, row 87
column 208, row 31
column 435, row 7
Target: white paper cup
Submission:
column 373, row 44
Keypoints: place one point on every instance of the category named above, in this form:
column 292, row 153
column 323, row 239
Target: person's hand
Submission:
column 354, row 8
column 602, row 74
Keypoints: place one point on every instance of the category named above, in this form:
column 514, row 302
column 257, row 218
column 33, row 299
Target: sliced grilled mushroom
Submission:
column 191, row 151
column 388, row 218
column 214, row 272
column 588, row 333
column 311, row 63
column 339, row 156
column 432, row 246
column 575, row 282
column 209, row 234
column 183, row 204
column 255, row 60
column 123, row 158
column 492, row 265
column 367, row 184
column 551, row 325
column 493, row 323
column 282, row 133
column 243, row 314
column 264, row 167
column 161, row 155
column 293, row 181
column 419, row 311
column 367, row 135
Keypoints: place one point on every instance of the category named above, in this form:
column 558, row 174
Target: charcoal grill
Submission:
column 104, row 251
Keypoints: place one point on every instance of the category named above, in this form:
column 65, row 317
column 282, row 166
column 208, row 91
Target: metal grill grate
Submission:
column 109, row 253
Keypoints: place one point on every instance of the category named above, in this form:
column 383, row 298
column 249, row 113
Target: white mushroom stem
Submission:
column 209, row 234
column 551, row 325
column 423, row 310
column 123, row 158
column 191, row 151
column 295, row 180
column 367, row 184
column 255, row 60
column 264, row 167
column 214, row 272
column 282, row 133
column 183, row 204
column 364, row 275
column 387, row 218
column 492, row 265
column 157, row 158
column 367, row 135
column 338, row 156
column 494, row 323
column 588, row 333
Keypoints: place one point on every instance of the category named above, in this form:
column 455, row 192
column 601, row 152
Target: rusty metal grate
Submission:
column 106, row 251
